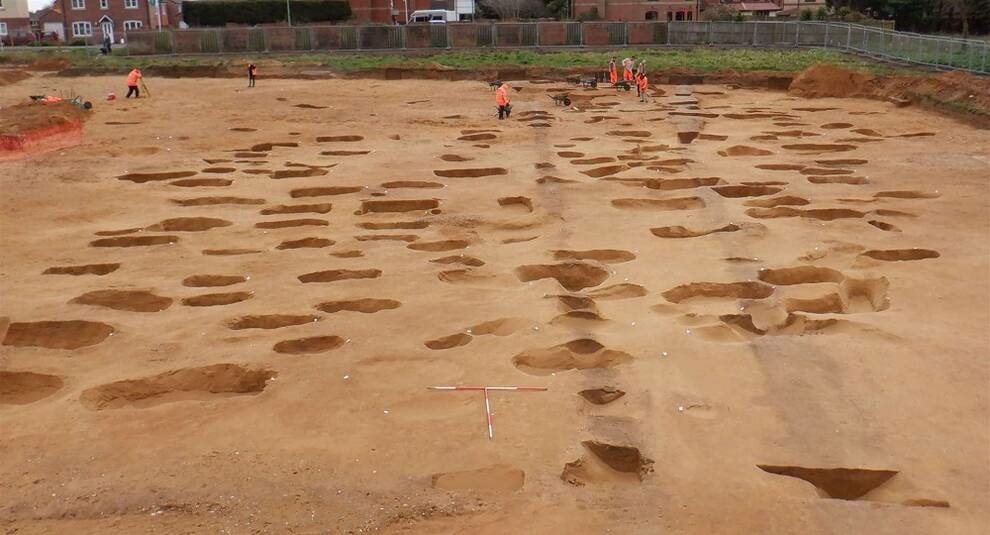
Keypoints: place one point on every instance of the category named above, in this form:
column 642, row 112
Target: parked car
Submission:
column 432, row 16
column 20, row 37
column 29, row 38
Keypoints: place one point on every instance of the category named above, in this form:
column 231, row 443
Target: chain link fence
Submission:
column 935, row 51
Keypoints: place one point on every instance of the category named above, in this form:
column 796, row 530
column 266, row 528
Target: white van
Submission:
column 432, row 16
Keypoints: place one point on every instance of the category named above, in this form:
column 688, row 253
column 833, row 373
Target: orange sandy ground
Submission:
column 882, row 365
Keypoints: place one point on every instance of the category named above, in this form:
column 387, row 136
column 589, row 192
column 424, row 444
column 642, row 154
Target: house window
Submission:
column 130, row 4
column 3, row 28
column 690, row 15
column 78, row 4
column 132, row 25
column 104, row 4
column 670, row 16
column 651, row 15
column 679, row 16
column 82, row 29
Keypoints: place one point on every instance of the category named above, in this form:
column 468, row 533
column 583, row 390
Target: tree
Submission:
column 722, row 13
column 591, row 14
column 515, row 9
column 821, row 13
column 557, row 8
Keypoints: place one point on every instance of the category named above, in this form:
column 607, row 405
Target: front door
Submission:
column 107, row 26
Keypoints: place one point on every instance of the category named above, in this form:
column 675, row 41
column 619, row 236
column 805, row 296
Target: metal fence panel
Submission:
column 573, row 33
column 380, row 37
column 468, row 35
column 553, row 33
column 729, row 33
column 688, row 33
column 142, row 43
column 774, row 34
column 517, row 34
column 595, row 33
column 646, row 33
column 419, row 35
column 617, row 33
column 811, row 33
column 244, row 40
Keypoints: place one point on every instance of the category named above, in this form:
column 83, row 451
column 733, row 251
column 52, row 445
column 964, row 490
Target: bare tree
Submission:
column 963, row 9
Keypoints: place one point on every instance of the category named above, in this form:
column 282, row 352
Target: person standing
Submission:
column 502, row 100
column 252, row 72
column 627, row 69
column 641, row 69
column 133, row 78
column 613, row 75
column 642, row 87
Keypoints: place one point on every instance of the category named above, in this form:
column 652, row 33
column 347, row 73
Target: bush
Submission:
column 807, row 14
column 591, row 14
column 822, row 13
column 720, row 12
column 219, row 13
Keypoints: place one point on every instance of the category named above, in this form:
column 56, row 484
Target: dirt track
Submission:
column 262, row 284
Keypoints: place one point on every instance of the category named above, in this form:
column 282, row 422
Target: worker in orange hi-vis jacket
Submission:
column 502, row 100
column 642, row 87
column 132, row 83
column 613, row 75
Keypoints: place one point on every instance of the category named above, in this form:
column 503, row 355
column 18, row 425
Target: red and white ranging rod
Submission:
column 485, row 389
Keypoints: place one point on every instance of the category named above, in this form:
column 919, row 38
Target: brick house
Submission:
column 94, row 20
column 767, row 8
column 630, row 10
column 15, row 21
column 49, row 20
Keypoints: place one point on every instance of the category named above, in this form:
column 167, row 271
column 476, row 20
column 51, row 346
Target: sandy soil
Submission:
column 261, row 284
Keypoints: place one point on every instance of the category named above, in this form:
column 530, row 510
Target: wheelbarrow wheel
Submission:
column 567, row 101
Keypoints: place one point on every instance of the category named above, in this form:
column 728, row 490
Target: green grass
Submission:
column 699, row 59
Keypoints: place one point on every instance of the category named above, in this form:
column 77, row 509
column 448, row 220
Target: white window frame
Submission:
column 1, row 5
column 131, row 25
column 3, row 28
column 104, row 4
column 76, row 25
column 127, row 4
column 78, row 4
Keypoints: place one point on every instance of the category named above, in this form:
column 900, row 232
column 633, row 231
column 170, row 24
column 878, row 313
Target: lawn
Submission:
column 697, row 59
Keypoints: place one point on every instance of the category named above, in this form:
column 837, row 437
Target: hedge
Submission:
column 263, row 11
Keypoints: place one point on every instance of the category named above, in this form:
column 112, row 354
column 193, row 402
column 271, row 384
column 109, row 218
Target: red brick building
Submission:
column 15, row 22
column 629, row 10
column 93, row 20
